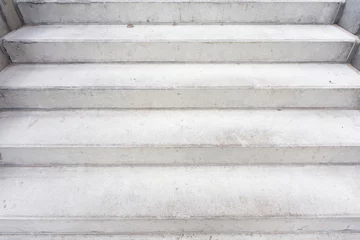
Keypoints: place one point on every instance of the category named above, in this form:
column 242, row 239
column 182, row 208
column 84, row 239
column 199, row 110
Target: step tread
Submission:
column 182, row 33
column 178, row 76
column 182, row 128
column 180, row 192
column 197, row 236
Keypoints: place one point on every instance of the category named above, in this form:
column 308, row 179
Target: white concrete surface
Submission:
column 194, row 43
column 180, row 86
column 356, row 60
column 179, row 137
column 149, row 199
column 4, row 29
column 179, row 11
column 197, row 236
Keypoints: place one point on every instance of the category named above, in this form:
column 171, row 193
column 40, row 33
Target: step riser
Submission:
column 118, row 226
column 185, row 171
column 180, row 12
column 180, row 98
column 105, row 51
column 177, row 156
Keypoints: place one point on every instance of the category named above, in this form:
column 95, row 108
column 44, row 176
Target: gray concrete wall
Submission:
column 350, row 21
column 350, row 18
column 4, row 29
column 4, row 60
column 356, row 60
column 9, row 20
column 10, row 14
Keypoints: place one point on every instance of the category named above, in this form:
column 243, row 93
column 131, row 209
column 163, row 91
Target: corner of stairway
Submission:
column 179, row 119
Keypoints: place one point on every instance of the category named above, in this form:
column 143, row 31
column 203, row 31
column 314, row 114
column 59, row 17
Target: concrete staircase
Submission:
column 178, row 119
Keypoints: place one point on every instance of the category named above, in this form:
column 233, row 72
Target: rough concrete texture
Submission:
column 11, row 16
column 4, row 62
column 183, row 11
column 152, row 199
column 194, row 43
column 356, row 60
column 263, row 236
column 180, row 137
column 4, row 29
column 140, row 174
column 350, row 18
column 182, row 85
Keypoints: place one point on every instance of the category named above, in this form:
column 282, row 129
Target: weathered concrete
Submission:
column 11, row 16
column 4, row 61
column 180, row 137
column 201, row 43
column 356, row 57
column 4, row 29
column 224, row 236
column 179, row 11
column 180, row 199
column 356, row 60
column 180, row 86
column 350, row 18
column 215, row 171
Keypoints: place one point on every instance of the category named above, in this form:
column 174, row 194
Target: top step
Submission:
column 179, row 11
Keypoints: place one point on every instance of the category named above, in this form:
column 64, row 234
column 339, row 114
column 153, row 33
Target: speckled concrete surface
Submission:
column 182, row 43
column 184, row 11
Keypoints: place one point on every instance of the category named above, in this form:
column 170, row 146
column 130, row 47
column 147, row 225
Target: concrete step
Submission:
column 185, row 43
column 178, row 137
column 180, row 86
column 179, row 11
column 217, row 199
column 197, row 236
